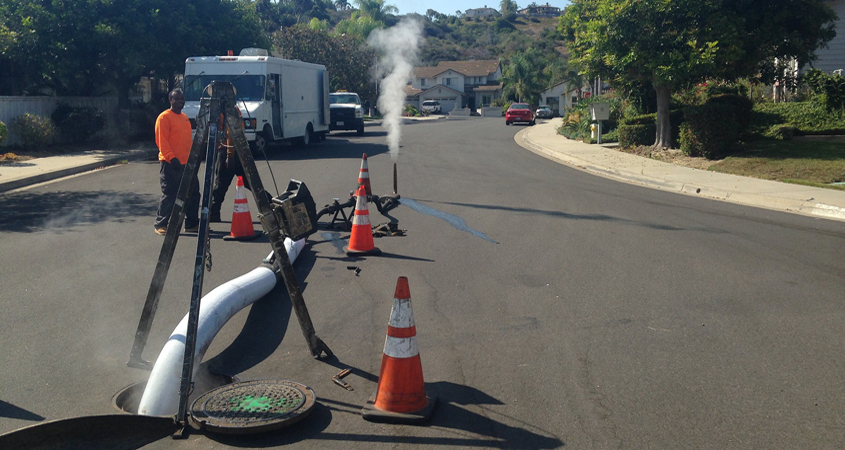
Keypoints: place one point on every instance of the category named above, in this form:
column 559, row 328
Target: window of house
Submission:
column 422, row 81
column 448, row 81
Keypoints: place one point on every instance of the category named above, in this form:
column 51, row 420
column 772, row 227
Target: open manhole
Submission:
column 128, row 399
column 253, row 406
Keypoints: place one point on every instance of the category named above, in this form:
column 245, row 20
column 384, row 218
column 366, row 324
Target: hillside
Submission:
column 489, row 38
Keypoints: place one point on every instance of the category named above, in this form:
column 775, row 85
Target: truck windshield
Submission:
column 249, row 87
column 343, row 98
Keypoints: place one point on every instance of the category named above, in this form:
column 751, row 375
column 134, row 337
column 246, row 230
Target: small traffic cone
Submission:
column 400, row 396
column 361, row 239
column 242, row 229
column 364, row 176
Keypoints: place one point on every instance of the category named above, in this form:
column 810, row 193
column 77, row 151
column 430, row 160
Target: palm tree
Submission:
column 521, row 77
column 506, row 6
column 342, row 5
column 376, row 9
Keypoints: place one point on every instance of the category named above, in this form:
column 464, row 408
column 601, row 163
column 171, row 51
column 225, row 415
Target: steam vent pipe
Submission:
column 161, row 396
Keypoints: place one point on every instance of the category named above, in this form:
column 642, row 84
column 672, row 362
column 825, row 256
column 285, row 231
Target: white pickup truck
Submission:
column 431, row 106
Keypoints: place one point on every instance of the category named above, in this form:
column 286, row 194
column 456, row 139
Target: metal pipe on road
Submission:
column 161, row 396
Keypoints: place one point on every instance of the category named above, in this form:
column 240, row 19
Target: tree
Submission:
column 348, row 60
column 522, row 76
column 673, row 44
column 358, row 25
column 508, row 6
column 376, row 9
column 90, row 47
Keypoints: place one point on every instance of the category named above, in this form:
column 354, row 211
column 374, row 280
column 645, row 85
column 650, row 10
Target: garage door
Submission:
column 447, row 105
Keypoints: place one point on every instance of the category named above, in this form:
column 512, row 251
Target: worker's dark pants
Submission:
column 224, row 178
column 170, row 175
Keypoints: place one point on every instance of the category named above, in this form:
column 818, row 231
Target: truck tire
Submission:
column 259, row 145
column 306, row 139
column 360, row 130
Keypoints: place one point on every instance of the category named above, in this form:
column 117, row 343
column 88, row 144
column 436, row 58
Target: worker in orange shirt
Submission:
column 173, row 138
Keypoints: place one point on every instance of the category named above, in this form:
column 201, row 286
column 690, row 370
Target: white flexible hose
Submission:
column 161, row 395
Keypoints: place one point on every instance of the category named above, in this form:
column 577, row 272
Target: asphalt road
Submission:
column 554, row 309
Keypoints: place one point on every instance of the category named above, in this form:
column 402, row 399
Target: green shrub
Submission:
column 606, row 138
column 636, row 135
column 642, row 129
column 710, row 130
column 4, row 132
column 805, row 117
column 830, row 89
column 33, row 130
column 742, row 107
column 78, row 123
column 577, row 119
column 780, row 132
column 411, row 111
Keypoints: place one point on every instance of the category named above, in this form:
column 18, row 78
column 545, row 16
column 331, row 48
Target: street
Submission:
column 553, row 308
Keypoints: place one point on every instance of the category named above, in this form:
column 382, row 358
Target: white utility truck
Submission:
column 279, row 99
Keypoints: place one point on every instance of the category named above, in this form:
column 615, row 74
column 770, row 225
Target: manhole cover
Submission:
column 253, row 406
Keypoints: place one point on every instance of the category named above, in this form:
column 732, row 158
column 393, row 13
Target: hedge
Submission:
column 710, row 130
column 78, row 123
column 642, row 129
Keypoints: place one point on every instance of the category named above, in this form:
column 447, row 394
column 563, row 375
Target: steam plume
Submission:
column 399, row 47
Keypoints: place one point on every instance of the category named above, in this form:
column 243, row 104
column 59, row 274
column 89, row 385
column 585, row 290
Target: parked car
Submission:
column 544, row 112
column 431, row 106
column 519, row 112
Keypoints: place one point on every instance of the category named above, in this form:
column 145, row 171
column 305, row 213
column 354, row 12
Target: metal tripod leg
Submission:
column 186, row 385
column 167, row 248
column 271, row 222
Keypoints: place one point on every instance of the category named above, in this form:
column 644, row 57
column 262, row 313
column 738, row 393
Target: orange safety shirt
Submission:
column 173, row 136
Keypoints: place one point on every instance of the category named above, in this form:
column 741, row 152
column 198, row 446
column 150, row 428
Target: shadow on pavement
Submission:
column 30, row 212
column 265, row 325
column 109, row 432
column 332, row 148
column 14, row 412
column 463, row 427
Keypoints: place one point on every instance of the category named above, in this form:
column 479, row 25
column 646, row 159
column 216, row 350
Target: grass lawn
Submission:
column 807, row 161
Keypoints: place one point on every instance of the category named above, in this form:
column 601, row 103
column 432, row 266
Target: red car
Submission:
column 519, row 112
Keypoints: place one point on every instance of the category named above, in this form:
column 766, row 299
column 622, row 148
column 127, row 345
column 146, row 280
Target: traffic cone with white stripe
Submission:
column 400, row 396
column 242, row 229
column 364, row 176
column 361, row 239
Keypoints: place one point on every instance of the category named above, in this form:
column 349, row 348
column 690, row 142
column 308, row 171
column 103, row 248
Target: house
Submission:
column 456, row 84
column 563, row 95
column 559, row 97
column 830, row 59
column 833, row 57
column 481, row 12
column 542, row 10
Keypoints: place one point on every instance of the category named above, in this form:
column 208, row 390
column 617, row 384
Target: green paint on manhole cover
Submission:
column 253, row 406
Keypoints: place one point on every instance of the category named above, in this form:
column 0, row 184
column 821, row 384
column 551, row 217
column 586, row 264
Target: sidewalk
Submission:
column 817, row 202
column 39, row 170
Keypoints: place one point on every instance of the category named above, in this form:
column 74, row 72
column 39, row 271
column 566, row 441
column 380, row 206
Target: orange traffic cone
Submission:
column 361, row 239
column 400, row 397
column 364, row 176
column 242, row 229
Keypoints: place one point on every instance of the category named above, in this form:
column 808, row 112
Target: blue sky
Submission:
column 450, row 6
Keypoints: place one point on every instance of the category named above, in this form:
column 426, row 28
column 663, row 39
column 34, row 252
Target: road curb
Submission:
column 808, row 206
